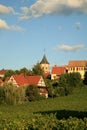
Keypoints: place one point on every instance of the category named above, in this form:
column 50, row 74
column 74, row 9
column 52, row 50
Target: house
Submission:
column 57, row 71
column 21, row 80
column 45, row 64
column 2, row 73
column 77, row 66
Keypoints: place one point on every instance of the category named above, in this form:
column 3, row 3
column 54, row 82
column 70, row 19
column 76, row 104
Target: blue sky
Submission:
column 28, row 27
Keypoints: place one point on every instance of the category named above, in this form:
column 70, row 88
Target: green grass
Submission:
column 77, row 101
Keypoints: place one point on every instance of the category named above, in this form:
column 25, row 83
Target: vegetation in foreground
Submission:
column 61, row 113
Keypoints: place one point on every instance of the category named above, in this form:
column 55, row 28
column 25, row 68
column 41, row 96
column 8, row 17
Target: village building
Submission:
column 45, row 64
column 2, row 73
column 57, row 71
column 78, row 66
column 21, row 80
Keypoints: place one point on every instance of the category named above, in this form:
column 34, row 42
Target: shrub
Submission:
column 2, row 95
column 32, row 93
column 10, row 94
column 70, row 81
column 85, row 78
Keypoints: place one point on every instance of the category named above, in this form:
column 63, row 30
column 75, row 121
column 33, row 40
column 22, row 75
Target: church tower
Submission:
column 45, row 64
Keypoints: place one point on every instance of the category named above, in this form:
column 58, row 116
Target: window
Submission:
column 12, row 80
column 77, row 68
column 73, row 69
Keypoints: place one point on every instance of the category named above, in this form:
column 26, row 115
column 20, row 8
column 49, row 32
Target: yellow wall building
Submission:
column 77, row 66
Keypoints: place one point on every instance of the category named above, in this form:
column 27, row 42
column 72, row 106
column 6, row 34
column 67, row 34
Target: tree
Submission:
column 24, row 70
column 70, row 81
column 31, row 93
column 74, row 79
column 85, row 78
column 54, row 90
column 8, row 74
column 36, row 70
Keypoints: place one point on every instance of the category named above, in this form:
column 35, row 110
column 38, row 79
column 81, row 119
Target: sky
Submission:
column 31, row 28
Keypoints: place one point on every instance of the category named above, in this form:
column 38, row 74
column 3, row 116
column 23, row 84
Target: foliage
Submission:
column 10, row 94
column 36, row 70
column 62, row 113
column 70, row 81
column 8, row 74
column 32, row 93
column 85, row 78
column 2, row 95
column 41, row 122
column 24, row 71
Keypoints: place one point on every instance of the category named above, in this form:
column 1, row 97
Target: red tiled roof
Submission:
column 2, row 72
column 22, row 80
column 77, row 63
column 58, row 70
column 33, row 79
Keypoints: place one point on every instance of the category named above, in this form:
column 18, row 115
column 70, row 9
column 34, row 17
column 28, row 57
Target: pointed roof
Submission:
column 21, row 80
column 44, row 60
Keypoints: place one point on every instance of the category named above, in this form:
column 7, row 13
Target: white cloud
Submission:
column 69, row 48
column 5, row 26
column 78, row 25
column 16, row 28
column 59, row 7
column 6, row 10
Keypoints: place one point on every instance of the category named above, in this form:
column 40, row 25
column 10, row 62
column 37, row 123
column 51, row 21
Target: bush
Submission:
column 9, row 94
column 44, row 122
column 2, row 95
column 32, row 93
column 70, row 81
column 85, row 78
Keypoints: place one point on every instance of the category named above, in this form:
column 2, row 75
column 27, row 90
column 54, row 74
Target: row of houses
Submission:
column 79, row 66
column 22, row 81
column 56, row 71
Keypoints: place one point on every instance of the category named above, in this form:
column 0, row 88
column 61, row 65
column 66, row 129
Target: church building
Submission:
column 45, row 64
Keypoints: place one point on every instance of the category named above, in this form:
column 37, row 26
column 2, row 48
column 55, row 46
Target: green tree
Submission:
column 74, row 79
column 24, row 70
column 85, row 78
column 31, row 93
column 8, row 74
column 36, row 70
column 69, row 81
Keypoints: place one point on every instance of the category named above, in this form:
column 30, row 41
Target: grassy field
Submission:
column 61, row 113
column 77, row 101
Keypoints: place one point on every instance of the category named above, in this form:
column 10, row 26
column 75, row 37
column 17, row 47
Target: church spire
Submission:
column 44, row 60
column 45, row 64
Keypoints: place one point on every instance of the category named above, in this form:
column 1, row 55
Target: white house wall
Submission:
column 41, row 82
